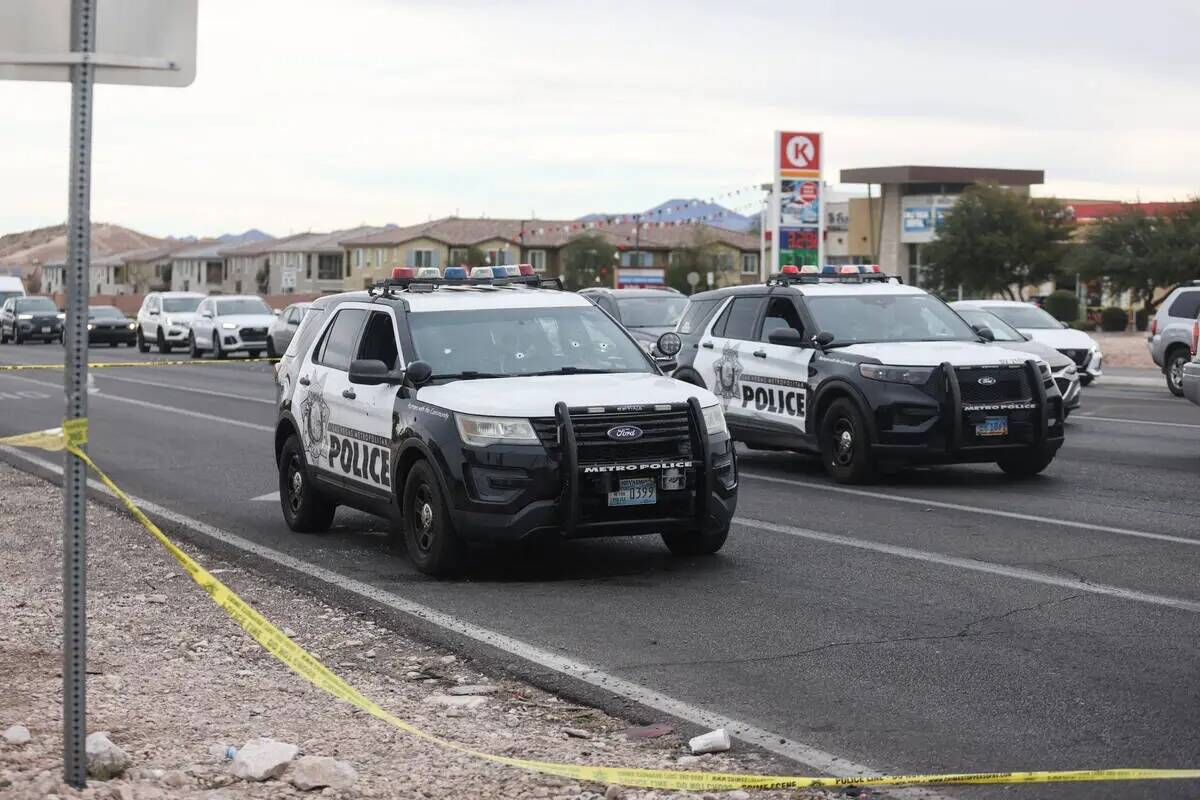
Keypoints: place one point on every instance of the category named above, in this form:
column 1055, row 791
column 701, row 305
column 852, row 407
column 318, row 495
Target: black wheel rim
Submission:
column 422, row 518
column 843, row 442
column 294, row 483
column 1176, row 373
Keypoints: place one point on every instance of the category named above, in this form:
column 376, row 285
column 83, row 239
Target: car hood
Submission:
column 1055, row 359
column 180, row 317
column 537, row 396
column 1061, row 338
column 931, row 354
column 247, row 320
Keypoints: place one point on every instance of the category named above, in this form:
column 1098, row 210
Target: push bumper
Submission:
column 933, row 424
column 521, row 493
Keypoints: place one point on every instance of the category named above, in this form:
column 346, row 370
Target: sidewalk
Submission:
column 175, row 683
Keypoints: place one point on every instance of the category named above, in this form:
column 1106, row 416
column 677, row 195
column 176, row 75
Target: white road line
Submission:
column 157, row 407
column 813, row 757
column 271, row 497
column 1074, row 417
column 190, row 389
column 977, row 566
column 993, row 512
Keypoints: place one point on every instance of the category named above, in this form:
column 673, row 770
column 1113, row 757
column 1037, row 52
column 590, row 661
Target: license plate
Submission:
column 992, row 426
column 45, row 329
column 634, row 492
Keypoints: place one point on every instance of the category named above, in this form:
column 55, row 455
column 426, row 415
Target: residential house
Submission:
column 448, row 241
column 312, row 262
column 131, row 272
column 247, row 262
column 199, row 268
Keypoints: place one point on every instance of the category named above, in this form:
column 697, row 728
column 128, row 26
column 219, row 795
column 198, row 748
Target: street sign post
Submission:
column 797, row 221
column 147, row 42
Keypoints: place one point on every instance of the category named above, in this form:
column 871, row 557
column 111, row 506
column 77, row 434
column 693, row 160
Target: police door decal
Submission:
column 359, row 455
column 314, row 420
column 757, row 395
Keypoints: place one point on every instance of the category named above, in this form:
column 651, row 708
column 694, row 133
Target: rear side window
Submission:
column 781, row 314
column 1186, row 305
column 696, row 315
column 741, row 318
column 379, row 340
column 337, row 348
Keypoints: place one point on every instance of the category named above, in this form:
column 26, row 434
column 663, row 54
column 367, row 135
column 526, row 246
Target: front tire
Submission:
column 217, row 351
column 429, row 534
column 845, row 443
column 1025, row 464
column 193, row 351
column 305, row 509
column 142, row 345
column 1174, row 371
column 695, row 543
column 163, row 347
column 271, row 348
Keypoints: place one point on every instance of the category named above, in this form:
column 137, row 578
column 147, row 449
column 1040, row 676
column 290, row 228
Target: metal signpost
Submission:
column 145, row 42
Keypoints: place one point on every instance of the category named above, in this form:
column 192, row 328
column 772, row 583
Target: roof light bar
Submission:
column 429, row 272
column 526, row 269
column 789, row 269
column 403, row 272
column 479, row 273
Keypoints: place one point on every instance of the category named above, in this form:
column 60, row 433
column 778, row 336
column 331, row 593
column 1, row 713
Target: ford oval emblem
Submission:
column 624, row 433
column 987, row 380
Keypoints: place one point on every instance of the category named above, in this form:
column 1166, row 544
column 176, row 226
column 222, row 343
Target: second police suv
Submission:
column 868, row 373
column 495, row 407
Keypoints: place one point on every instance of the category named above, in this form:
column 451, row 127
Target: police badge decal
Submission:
column 728, row 371
column 314, row 420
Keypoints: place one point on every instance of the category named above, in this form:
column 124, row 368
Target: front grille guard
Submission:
column 954, row 432
column 570, row 463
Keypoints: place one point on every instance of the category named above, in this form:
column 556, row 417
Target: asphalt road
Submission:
column 949, row 619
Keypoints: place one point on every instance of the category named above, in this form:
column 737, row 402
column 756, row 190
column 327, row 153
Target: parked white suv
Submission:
column 1038, row 325
column 230, row 324
column 165, row 319
column 1170, row 339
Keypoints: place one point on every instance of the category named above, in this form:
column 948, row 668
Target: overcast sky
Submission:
column 320, row 115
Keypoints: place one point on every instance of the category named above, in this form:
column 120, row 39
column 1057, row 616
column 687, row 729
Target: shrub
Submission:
column 1113, row 319
column 1085, row 325
column 1141, row 319
column 1062, row 305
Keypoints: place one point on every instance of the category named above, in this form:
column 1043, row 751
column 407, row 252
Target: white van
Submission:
column 11, row 286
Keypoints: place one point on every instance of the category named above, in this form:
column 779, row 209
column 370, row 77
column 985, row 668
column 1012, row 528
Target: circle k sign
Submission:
column 800, row 151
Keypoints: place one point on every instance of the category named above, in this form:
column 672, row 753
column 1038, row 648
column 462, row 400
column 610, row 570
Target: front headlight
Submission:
column 880, row 372
column 24, row 316
column 228, row 326
column 91, row 327
column 714, row 420
column 483, row 431
column 133, row 326
column 62, row 315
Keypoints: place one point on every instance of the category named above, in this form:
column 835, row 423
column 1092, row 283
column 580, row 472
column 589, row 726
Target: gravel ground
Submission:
column 1124, row 350
column 174, row 682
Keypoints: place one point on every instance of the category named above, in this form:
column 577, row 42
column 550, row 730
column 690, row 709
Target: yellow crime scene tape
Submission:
column 73, row 435
column 177, row 362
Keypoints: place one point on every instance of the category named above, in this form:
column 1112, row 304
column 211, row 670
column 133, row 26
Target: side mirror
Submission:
column 369, row 372
column 207, row 315
column 276, row 312
column 417, row 373
column 788, row 337
column 1063, row 325
column 985, row 332
column 823, row 339
column 669, row 344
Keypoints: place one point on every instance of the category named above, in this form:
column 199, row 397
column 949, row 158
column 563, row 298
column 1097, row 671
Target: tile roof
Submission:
column 260, row 247
column 323, row 242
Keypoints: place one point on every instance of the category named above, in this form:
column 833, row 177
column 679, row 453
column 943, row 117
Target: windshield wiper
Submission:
column 572, row 371
column 467, row 375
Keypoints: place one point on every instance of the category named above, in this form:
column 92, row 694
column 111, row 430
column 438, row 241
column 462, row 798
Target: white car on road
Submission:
column 1041, row 327
column 165, row 319
column 227, row 324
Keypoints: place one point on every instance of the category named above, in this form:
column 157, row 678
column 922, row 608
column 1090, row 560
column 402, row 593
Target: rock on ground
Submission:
column 104, row 759
column 17, row 734
column 262, row 759
column 316, row 772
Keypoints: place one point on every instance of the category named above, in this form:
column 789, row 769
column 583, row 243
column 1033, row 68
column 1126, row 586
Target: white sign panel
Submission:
column 152, row 41
column 287, row 277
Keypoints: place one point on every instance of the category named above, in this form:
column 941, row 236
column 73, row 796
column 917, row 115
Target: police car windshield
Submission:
column 854, row 319
column 523, row 341
column 651, row 312
column 1024, row 316
column 1001, row 330
column 242, row 305
column 180, row 305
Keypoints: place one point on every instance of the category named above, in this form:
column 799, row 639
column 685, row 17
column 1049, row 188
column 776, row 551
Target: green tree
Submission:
column 1135, row 252
column 588, row 260
column 698, row 255
column 997, row 241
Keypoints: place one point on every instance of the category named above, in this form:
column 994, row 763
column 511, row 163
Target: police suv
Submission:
column 494, row 407
column 867, row 372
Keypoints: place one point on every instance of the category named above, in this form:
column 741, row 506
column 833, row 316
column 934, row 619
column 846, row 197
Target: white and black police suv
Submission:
column 868, row 372
column 495, row 407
